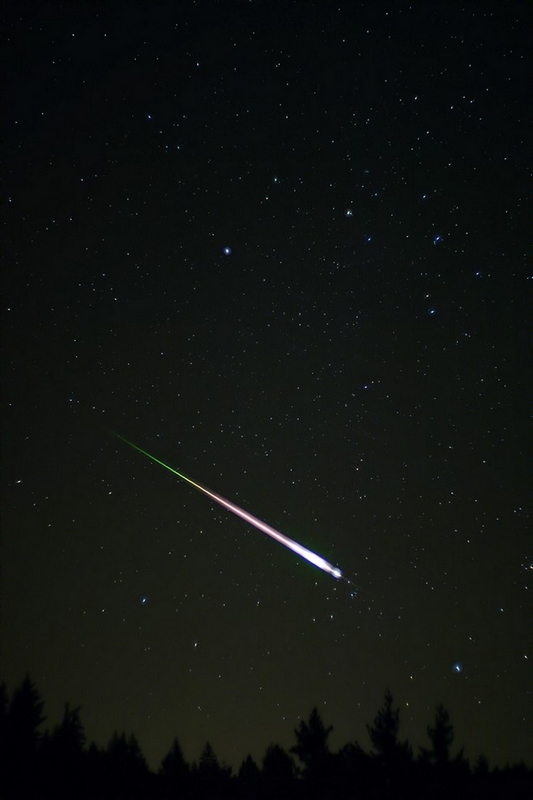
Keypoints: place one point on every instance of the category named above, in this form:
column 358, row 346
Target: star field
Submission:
column 287, row 250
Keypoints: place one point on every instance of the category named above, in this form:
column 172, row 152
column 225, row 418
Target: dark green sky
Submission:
column 354, row 372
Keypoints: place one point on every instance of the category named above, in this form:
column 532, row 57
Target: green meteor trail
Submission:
column 162, row 464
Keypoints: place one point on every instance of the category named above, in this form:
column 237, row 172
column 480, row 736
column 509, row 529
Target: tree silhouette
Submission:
column 249, row 777
column 277, row 773
column 312, row 749
column 208, row 761
column 444, row 775
column 383, row 732
column 125, row 766
column 24, row 716
column 441, row 736
column 22, row 721
column 312, row 743
column 63, row 756
column 352, row 770
column 481, row 767
column 56, row 764
column 393, row 758
column 212, row 779
column 4, row 705
column 69, row 736
column 175, row 772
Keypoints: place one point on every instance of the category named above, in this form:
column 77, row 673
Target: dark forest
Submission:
column 59, row 763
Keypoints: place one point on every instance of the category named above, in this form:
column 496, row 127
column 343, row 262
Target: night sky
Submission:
column 284, row 247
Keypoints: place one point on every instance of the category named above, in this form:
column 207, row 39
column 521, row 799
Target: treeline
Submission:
column 59, row 764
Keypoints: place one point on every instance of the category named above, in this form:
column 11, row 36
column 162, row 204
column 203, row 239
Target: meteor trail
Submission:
column 297, row 548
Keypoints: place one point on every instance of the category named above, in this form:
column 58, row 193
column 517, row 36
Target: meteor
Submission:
column 297, row 548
